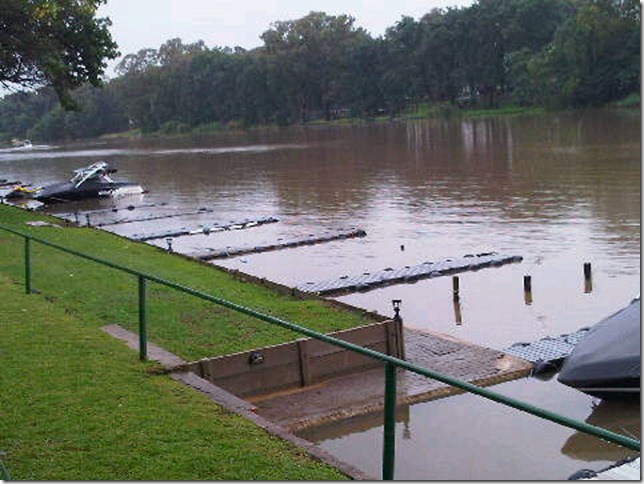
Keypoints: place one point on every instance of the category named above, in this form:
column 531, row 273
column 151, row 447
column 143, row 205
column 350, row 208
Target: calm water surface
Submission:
column 559, row 190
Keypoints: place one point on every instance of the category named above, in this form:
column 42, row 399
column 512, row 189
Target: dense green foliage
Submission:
column 549, row 53
column 58, row 43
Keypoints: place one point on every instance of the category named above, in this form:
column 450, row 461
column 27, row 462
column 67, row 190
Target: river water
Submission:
column 558, row 189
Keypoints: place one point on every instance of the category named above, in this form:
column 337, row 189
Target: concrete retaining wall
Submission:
column 299, row 363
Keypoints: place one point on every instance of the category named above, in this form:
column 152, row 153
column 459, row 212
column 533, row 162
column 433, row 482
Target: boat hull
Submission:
column 67, row 191
column 606, row 363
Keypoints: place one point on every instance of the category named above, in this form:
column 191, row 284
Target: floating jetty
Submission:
column 311, row 239
column 153, row 217
column 204, row 229
column 370, row 280
column 73, row 216
column 548, row 352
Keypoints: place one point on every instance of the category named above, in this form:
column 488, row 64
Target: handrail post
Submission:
column 27, row 265
column 143, row 337
column 389, row 432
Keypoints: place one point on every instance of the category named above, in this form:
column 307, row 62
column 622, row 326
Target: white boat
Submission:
column 24, row 144
column 92, row 181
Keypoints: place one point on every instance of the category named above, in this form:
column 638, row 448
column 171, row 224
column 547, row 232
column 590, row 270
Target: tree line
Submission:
column 553, row 53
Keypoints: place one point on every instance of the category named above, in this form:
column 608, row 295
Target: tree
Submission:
column 305, row 60
column 402, row 64
column 593, row 59
column 53, row 42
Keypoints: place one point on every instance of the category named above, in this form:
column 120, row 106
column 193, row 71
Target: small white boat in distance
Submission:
column 24, row 144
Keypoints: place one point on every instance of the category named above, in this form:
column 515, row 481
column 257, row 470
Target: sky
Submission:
column 139, row 24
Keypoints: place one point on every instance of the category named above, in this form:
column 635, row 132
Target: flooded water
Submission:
column 558, row 189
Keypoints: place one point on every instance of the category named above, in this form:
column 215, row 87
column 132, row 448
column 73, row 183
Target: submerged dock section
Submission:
column 204, row 229
column 74, row 216
column 548, row 353
column 371, row 280
column 311, row 239
column 150, row 218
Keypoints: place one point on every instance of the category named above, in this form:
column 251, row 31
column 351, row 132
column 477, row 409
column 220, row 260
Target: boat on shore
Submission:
column 24, row 144
column 606, row 363
column 92, row 181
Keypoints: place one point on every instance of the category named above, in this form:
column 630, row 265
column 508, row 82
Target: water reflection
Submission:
column 466, row 437
column 458, row 316
column 622, row 417
column 359, row 423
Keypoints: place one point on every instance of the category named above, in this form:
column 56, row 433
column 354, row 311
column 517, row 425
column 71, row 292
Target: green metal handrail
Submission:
column 391, row 363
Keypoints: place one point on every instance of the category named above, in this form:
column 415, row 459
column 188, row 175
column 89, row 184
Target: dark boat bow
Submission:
column 607, row 361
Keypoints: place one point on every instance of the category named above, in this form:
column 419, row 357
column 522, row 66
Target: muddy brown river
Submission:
column 557, row 189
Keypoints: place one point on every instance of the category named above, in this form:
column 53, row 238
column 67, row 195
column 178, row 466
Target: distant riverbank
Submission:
column 416, row 113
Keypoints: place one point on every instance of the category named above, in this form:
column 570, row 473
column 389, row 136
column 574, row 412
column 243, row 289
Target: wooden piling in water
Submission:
column 588, row 278
column 527, row 283
column 527, row 290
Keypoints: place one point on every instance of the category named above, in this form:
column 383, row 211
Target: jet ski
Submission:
column 92, row 181
column 606, row 363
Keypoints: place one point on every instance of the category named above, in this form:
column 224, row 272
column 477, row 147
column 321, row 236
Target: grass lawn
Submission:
column 77, row 405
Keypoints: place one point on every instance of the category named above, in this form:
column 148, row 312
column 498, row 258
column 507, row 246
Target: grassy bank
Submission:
column 77, row 405
column 184, row 325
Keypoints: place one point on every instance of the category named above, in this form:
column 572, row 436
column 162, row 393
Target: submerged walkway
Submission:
column 363, row 392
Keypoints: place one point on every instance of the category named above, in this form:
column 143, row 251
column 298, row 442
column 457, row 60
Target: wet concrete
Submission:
column 362, row 393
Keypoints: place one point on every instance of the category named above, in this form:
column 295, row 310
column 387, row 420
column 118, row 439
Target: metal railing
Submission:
column 391, row 363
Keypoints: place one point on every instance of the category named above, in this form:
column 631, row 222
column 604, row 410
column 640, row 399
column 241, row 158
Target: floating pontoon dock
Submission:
column 204, row 229
column 153, row 217
column 311, row 239
column 72, row 216
column 548, row 350
column 371, row 280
